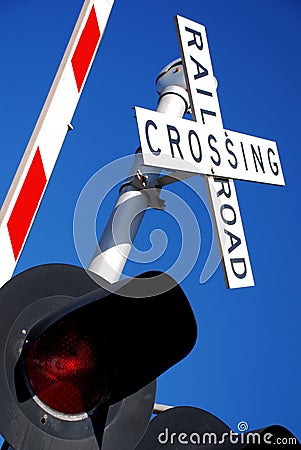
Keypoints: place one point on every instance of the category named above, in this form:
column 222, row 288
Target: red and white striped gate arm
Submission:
column 26, row 191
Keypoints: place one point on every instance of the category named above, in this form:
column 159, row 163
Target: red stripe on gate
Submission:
column 85, row 49
column 27, row 203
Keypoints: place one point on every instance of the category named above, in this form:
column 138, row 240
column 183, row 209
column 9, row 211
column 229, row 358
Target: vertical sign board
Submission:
column 201, row 86
column 27, row 189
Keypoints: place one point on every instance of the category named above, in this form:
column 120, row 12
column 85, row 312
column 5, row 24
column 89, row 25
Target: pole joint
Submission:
column 140, row 182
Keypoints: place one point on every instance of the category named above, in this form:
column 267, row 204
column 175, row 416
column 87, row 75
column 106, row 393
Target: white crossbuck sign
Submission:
column 204, row 147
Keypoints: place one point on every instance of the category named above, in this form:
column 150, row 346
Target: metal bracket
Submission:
column 140, row 182
column 173, row 177
column 155, row 201
column 152, row 190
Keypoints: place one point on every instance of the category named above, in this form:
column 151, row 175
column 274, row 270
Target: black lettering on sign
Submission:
column 243, row 154
column 235, row 241
column 197, row 38
column 226, row 189
column 228, row 220
column 228, row 143
column 214, row 149
column 201, row 91
column 257, row 158
column 201, row 73
column 147, row 125
column 174, row 141
column 273, row 166
column 239, row 267
column 209, row 113
column 199, row 157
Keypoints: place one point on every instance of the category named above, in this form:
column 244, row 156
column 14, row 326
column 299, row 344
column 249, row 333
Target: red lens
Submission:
column 66, row 369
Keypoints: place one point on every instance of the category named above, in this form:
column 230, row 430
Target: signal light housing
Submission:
column 71, row 349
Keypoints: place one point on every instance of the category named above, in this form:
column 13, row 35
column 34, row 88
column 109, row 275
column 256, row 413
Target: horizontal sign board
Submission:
column 179, row 144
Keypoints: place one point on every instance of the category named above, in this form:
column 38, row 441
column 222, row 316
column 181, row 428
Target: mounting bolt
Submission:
column 141, row 177
column 44, row 418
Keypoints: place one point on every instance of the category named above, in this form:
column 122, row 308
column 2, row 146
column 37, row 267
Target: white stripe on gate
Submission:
column 26, row 191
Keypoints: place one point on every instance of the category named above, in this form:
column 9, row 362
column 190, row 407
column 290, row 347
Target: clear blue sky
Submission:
column 246, row 363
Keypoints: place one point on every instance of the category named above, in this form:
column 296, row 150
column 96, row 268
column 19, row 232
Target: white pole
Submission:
column 117, row 239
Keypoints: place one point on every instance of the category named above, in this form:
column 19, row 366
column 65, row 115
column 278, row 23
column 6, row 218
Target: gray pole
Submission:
column 134, row 198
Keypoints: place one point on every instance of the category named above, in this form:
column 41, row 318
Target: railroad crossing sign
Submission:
column 204, row 147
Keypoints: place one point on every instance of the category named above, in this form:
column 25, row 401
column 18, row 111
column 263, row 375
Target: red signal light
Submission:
column 65, row 368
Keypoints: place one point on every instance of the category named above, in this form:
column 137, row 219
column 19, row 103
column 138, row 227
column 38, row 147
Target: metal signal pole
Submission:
column 142, row 188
